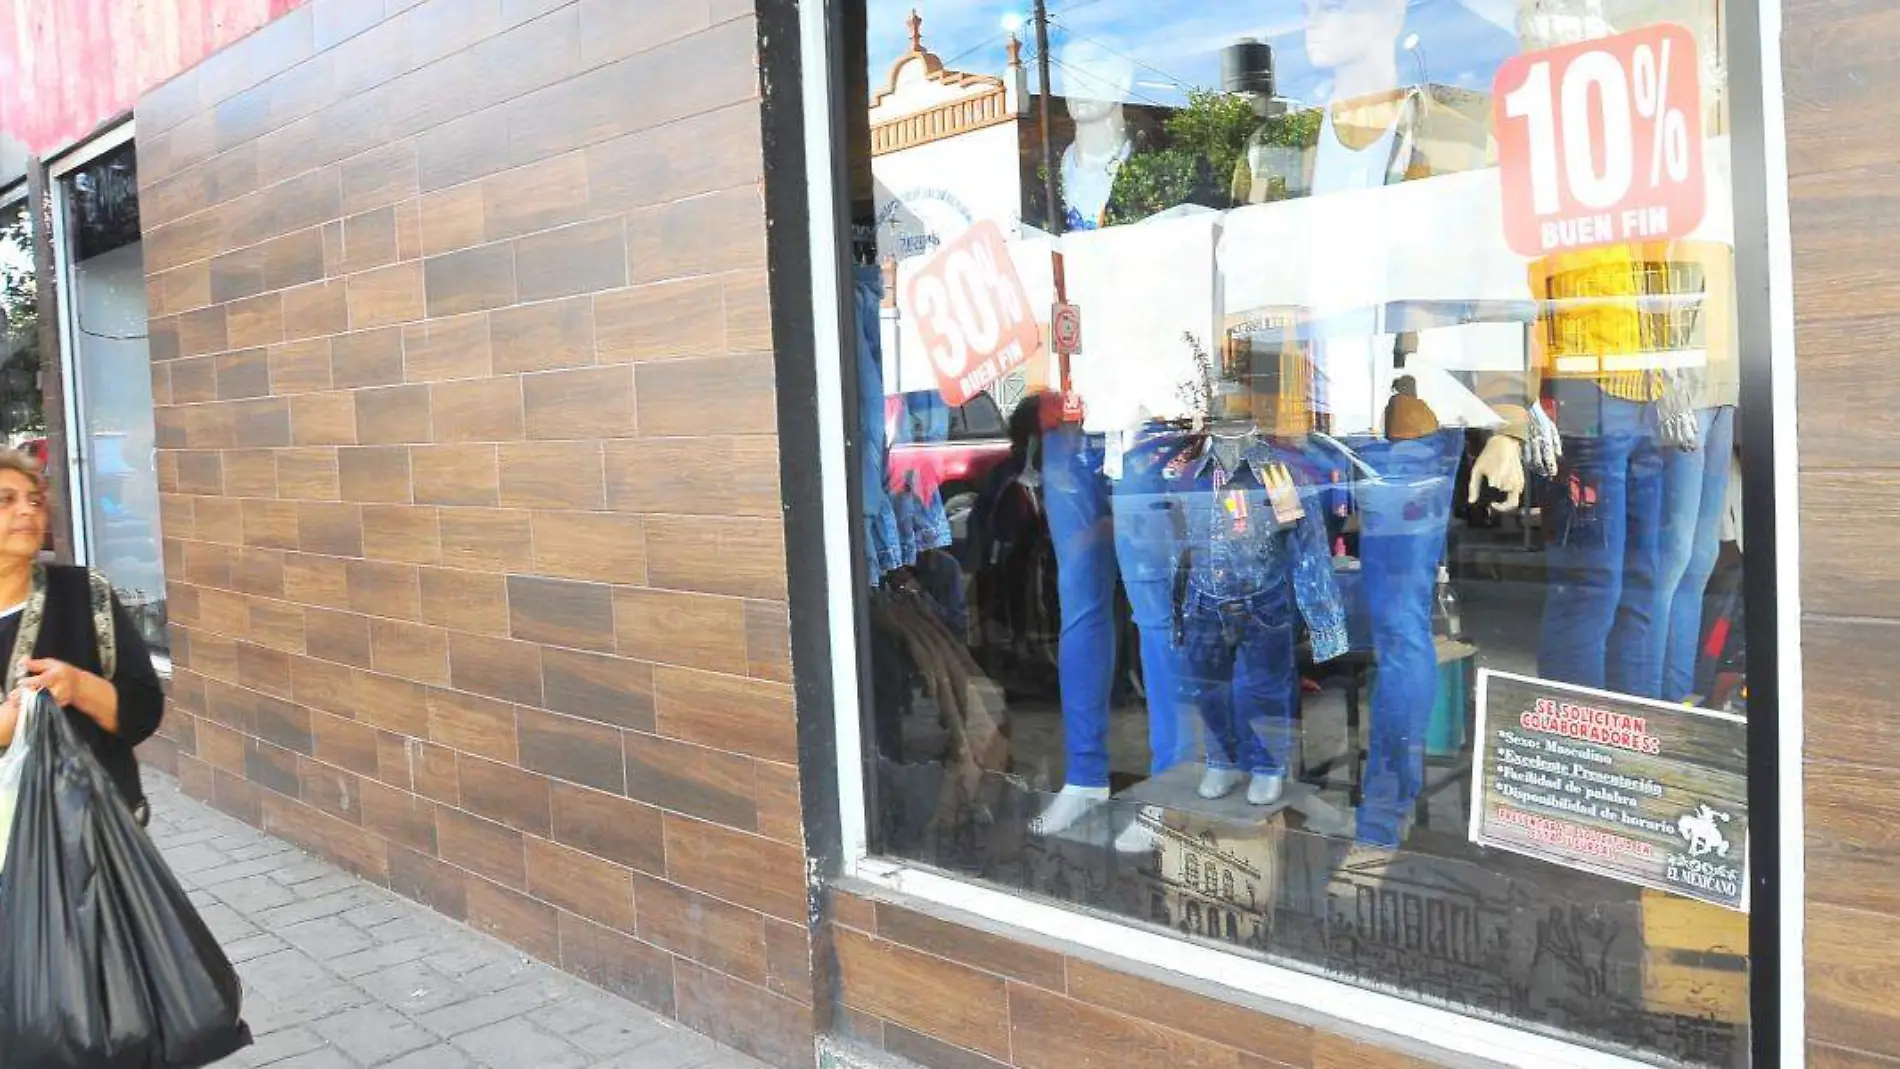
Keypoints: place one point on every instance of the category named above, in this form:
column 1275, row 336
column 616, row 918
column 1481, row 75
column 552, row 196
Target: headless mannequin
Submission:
column 1263, row 788
column 1098, row 81
column 1358, row 44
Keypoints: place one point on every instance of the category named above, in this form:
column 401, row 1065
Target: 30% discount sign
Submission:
column 972, row 314
column 1600, row 143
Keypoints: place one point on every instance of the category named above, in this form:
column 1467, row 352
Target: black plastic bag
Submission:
column 104, row 963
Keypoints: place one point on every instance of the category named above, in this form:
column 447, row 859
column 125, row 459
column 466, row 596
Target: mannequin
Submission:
column 1098, row 84
column 1694, row 504
column 1110, row 489
column 1256, row 557
column 1376, row 131
column 1356, row 45
column 1634, row 502
column 1636, row 461
column 1101, row 526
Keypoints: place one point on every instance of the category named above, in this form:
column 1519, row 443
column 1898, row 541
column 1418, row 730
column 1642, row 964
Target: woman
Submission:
column 52, row 643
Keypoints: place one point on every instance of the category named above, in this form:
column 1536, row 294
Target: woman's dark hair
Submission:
column 1025, row 423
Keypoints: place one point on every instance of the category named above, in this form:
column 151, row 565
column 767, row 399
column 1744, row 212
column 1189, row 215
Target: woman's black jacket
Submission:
column 68, row 634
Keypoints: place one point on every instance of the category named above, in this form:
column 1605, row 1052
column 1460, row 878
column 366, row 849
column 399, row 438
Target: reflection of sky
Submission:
column 15, row 258
column 1178, row 45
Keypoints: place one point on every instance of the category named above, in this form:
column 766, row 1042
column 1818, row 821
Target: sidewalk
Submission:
column 342, row 974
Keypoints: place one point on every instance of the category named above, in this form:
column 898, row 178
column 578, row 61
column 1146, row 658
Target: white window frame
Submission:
column 78, row 433
column 1351, row 1005
column 69, row 333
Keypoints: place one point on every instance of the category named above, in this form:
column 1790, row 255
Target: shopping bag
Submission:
column 11, row 765
column 104, row 963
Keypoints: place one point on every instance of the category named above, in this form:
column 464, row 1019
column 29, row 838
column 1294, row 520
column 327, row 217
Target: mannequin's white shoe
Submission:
column 1069, row 805
column 1220, row 782
column 1265, row 789
column 1139, row 837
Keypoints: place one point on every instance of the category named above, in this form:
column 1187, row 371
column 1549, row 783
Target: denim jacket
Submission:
column 882, row 539
column 1236, row 553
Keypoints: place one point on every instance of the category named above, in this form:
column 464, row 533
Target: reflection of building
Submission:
column 951, row 147
column 1215, row 885
column 944, row 148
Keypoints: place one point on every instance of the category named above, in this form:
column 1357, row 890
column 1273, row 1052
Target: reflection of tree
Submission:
column 20, row 407
column 1205, row 141
column 1191, row 158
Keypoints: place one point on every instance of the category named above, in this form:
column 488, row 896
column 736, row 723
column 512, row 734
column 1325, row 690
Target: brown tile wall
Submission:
column 956, row 994
column 1845, row 205
column 1845, row 211
column 465, row 400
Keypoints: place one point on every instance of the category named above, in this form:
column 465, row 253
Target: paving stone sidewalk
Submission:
column 342, row 974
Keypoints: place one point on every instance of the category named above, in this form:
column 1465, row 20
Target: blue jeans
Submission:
column 1603, row 545
column 1404, row 514
column 1249, row 716
column 1695, row 495
column 1134, row 525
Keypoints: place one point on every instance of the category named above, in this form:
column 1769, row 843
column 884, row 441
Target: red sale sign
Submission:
column 972, row 313
column 1600, row 143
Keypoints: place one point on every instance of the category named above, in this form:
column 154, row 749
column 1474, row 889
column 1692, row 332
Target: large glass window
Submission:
column 104, row 264
column 1300, row 493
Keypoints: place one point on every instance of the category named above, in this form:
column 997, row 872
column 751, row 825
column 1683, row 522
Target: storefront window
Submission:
column 105, row 265
column 22, row 412
column 1300, row 500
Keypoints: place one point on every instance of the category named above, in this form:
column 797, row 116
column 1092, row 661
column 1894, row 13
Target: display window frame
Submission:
column 74, row 403
column 73, row 407
column 29, row 191
column 827, row 569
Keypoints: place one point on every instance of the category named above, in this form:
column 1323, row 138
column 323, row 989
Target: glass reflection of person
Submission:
column 1382, row 129
column 1375, row 130
column 1098, row 83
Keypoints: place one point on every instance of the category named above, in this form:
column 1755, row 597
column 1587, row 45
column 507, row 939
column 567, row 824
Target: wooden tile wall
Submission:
column 1843, row 158
column 470, row 498
column 465, row 399
column 956, row 994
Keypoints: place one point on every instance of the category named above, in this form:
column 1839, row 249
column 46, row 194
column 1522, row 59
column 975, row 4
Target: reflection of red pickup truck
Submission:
column 977, row 443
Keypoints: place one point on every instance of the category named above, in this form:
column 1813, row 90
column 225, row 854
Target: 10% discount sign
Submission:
column 1600, row 143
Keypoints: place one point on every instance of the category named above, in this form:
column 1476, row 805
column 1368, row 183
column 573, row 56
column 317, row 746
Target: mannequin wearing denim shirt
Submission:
column 1240, row 579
